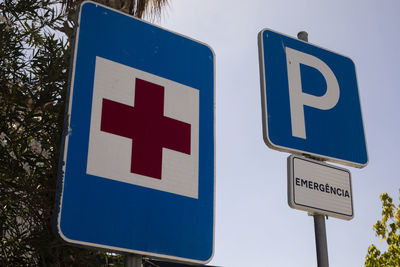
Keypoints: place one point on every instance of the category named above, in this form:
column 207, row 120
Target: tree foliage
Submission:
column 137, row 8
column 35, row 49
column 388, row 229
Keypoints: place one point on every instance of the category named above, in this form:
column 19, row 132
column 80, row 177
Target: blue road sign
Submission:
column 310, row 100
column 138, row 162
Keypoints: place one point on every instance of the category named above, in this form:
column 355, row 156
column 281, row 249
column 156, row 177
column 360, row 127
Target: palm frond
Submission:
column 139, row 8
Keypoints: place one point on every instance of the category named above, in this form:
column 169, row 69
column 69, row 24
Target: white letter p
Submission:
column 298, row 99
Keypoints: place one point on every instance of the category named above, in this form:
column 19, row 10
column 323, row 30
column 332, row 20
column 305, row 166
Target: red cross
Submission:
column 147, row 126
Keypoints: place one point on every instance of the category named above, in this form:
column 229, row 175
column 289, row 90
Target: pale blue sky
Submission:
column 254, row 224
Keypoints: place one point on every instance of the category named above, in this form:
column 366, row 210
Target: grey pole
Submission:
column 133, row 260
column 320, row 240
column 319, row 220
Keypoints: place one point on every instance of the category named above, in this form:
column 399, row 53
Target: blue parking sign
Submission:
column 137, row 170
column 310, row 100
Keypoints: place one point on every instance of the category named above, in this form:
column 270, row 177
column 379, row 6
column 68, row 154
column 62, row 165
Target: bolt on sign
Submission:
column 138, row 166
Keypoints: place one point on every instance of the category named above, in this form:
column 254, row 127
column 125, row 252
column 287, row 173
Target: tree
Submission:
column 389, row 230
column 35, row 50
column 138, row 8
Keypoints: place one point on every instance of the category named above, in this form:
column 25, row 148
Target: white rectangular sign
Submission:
column 318, row 187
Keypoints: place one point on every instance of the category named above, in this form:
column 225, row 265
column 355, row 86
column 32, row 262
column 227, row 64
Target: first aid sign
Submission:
column 144, row 130
column 310, row 100
column 137, row 170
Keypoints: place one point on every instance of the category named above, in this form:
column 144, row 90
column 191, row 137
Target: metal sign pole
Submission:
column 320, row 240
column 319, row 220
column 132, row 260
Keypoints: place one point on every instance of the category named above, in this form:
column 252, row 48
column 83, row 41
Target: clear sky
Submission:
column 254, row 224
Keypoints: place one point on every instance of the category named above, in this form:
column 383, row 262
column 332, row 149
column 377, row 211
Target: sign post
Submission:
column 137, row 170
column 132, row 260
column 311, row 107
column 321, row 242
